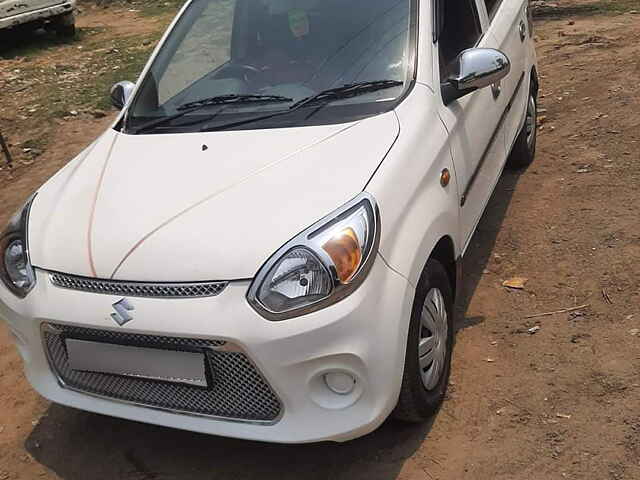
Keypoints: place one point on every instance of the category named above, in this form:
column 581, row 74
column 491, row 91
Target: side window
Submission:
column 492, row 6
column 460, row 30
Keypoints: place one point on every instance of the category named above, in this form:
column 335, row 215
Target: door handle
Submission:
column 496, row 89
column 522, row 28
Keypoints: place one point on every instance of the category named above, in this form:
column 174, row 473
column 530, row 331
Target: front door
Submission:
column 508, row 32
column 472, row 121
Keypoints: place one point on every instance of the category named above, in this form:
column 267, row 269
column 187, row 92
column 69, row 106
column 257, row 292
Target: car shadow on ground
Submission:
column 77, row 445
column 21, row 42
column 482, row 244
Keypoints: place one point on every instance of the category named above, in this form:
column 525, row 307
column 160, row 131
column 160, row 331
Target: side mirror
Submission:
column 120, row 94
column 474, row 69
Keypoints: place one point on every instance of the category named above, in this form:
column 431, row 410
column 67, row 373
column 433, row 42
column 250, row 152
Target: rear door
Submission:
column 508, row 31
column 11, row 8
column 473, row 121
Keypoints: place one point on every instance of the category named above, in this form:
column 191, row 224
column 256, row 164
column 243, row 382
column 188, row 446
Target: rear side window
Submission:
column 460, row 30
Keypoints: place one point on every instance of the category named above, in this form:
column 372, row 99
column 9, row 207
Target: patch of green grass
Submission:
column 146, row 8
column 151, row 8
column 125, row 61
column 126, row 58
column 34, row 144
column 58, row 112
column 64, row 87
column 79, row 80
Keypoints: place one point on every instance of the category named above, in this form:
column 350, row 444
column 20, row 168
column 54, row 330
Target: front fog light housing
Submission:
column 340, row 383
column 16, row 271
column 320, row 266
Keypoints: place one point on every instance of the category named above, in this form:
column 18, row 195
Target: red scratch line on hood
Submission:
column 222, row 190
column 93, row 208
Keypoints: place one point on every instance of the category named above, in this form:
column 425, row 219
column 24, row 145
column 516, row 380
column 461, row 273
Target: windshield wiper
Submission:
column 324, row 97
column 346, row 91
column 190, row 107
column 233, row 98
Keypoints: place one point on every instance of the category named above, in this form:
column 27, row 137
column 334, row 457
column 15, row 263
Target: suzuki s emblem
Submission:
column 122, row 315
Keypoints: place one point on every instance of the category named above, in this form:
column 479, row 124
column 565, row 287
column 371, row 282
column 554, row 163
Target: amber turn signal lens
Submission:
column 344, row 249
column 445, row 177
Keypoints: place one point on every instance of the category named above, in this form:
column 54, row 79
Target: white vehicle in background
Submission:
column 59, row 15
column 267, row 242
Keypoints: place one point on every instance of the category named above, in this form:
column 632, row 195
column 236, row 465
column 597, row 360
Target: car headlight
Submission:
column 16, row 271
column 320, row 266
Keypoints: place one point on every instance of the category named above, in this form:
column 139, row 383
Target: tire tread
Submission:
column 415, row 404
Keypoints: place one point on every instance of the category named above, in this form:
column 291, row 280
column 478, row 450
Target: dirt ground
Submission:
column 559, row 403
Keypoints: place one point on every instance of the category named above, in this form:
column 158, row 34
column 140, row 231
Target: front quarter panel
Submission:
column 415, row 210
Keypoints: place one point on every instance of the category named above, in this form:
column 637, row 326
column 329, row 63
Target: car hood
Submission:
column 201, row 206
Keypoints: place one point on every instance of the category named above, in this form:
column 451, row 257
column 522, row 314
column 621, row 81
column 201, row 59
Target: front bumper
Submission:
column 364, row 335
column 39, row 15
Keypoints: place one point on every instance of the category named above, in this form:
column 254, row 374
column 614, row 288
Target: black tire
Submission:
column 66, row 31
column 416, row 403
column 25, row 30
column 65, row 25
column 524, row 149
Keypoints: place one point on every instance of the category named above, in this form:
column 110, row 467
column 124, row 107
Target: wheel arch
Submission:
column 535, row 83
column 444, row 252
column 415, row 403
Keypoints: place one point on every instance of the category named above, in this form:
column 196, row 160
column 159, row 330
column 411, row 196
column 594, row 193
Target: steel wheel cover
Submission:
column 432, row 339
column 532, row 113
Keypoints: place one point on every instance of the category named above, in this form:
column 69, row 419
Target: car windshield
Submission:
column 249, row 58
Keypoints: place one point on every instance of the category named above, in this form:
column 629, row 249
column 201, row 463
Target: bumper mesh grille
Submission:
column 238, row 391
column 138, row 289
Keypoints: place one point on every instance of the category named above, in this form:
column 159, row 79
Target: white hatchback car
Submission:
column 266, row 243
column 56, row 14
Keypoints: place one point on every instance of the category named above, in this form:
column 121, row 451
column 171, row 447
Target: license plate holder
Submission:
column 158, row 364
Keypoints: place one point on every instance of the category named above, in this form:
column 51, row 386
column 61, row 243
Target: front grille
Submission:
column 238, row 391
column 138, row 289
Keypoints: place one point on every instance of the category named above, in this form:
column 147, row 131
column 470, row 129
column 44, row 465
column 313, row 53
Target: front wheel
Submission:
column 429, row 347
column 65, row 26
column 524, row 148
column 66, row 31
